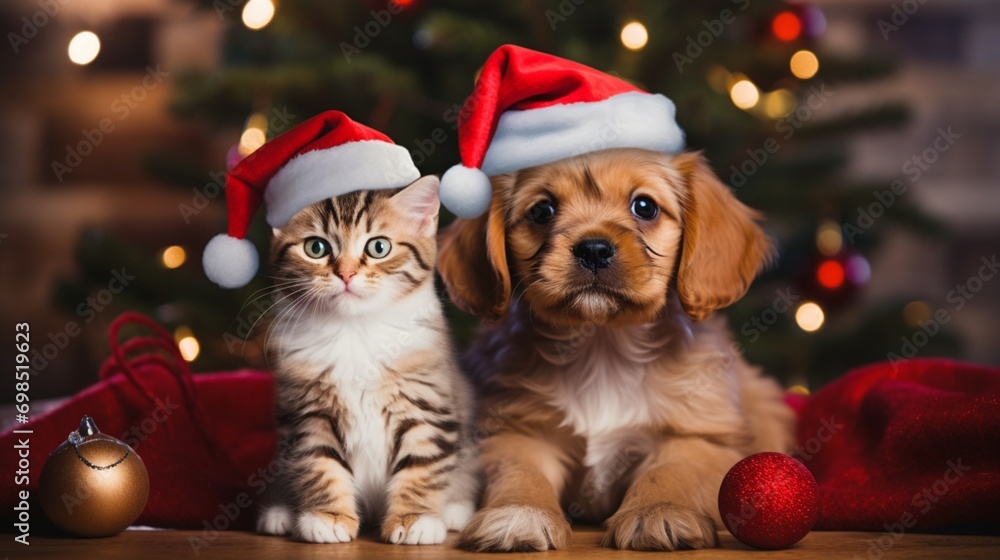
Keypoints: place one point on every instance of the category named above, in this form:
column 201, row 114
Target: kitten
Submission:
column 374, row 416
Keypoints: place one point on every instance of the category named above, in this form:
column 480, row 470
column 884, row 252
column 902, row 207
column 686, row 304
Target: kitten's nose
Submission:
column 346, row 275
column 593, row 254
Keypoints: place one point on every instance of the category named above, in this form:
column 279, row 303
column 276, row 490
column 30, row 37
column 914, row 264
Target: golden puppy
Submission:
column 616, row 402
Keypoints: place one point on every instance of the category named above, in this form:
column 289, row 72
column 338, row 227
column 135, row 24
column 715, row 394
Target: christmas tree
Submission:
column 750, row 81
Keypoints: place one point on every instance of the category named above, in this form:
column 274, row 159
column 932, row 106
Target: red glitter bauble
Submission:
column 769, row 501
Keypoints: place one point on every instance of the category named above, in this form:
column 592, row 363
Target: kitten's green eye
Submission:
column 317, row 247
column 378, row 248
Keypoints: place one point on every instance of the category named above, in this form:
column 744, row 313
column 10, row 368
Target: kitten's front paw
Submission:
column 322, row 527
column 661, row 526
column 275, row 520
column 413, row 529
column 516, row 529
column 456, row 516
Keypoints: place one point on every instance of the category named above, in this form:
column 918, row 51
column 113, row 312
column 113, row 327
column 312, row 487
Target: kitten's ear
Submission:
column 419, row 201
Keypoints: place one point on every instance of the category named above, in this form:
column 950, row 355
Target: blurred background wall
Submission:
column 111, row 169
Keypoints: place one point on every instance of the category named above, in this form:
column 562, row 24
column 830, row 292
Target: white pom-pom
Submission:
column 230, row 262
column 465, row 191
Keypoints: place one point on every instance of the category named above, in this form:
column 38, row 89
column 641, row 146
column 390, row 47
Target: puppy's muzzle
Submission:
column 594, row 254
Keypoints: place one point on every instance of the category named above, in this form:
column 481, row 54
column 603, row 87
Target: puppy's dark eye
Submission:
column 541, row 212
column 644, row 208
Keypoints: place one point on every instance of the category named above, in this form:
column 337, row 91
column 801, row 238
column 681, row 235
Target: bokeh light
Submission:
column 830, row 275
column 173, row 256
column 779, row 103
column 916, row 312
column 809, row 317
column 804, row 64
column 829, row 239
column 84, row 48
column 786, row 26
column 744, row 94
column 634, row 36
column 257, row 14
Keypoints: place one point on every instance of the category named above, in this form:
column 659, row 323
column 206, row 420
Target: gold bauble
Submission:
column 93, row 485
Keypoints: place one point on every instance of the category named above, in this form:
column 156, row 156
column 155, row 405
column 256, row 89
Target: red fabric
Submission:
column 915, row 446
column 875, row 439
column 246, row 181
column 516, row 78
column 216, row 432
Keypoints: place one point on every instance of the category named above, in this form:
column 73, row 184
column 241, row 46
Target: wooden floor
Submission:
column 151, row 545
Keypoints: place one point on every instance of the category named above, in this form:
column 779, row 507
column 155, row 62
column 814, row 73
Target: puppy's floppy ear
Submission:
column 723, row 247
column 472, row 260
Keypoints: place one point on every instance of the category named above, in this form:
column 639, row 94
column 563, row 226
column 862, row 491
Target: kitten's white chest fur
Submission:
column 355, row 352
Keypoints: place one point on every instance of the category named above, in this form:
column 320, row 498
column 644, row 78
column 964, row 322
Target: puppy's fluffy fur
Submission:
column 610, row 393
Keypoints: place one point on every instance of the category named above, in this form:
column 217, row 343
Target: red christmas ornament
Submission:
column 769, row 501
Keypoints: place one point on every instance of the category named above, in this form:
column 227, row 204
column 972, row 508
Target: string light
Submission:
column 257, row 14
column 744, row 94
column 634, row 36
column 809, row 317
column 830, row 275
column 804, row 64
column 173, row 256
column 786, row 26
column 254, row 134
column 84, row 48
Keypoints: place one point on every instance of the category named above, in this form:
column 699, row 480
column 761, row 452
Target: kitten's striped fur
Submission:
column 373, row 412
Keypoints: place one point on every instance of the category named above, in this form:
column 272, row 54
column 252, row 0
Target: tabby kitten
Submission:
column 374, row 416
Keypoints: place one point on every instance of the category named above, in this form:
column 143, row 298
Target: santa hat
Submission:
column 530, row 108
column 325, row 156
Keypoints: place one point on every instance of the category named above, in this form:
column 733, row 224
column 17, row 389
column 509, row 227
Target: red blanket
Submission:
column 915, row 446
column 913, row 449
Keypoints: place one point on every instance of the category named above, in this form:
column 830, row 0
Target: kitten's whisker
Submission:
column 250, row 330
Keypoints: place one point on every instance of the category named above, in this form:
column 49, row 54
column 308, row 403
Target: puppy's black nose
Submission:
column 594, row 253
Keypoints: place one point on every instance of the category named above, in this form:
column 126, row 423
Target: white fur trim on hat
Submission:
column 465, row 191
column 531, row 137
column 230, row 262
column 320, row 174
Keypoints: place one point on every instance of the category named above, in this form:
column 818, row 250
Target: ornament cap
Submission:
column 88, row 427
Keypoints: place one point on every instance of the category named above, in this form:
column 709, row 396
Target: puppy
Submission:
column 608, row 391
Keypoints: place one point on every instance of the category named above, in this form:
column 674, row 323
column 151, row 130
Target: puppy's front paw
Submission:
column 323, row 527
column 275, row 520
column 516, row 529
column 661, row 526
column 414, row 529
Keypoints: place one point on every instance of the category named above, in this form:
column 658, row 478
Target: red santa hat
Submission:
column 323, row 157
column 530, row 108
